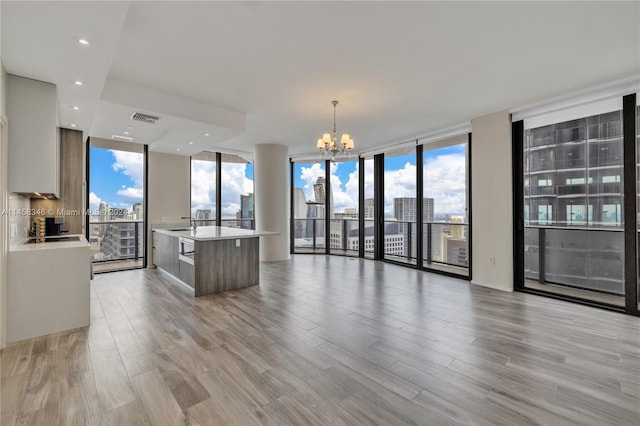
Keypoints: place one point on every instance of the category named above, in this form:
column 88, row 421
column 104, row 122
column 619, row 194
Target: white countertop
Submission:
column 209, row 233
column 82, row 242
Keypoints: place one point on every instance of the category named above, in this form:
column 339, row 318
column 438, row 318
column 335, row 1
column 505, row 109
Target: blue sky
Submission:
column 115, row 177
column 444, row 179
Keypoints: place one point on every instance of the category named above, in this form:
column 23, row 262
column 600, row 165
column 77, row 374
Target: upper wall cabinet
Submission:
column 32, row 117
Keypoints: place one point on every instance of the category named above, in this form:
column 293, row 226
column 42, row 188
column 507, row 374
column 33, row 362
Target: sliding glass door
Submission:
column 576, row 209
column 116, row 205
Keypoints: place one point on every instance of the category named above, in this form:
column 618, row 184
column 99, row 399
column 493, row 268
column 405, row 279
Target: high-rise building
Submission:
column 299, row 204
column 320, row 190
column 203, row 214
column 120, row 240
column 138, row 211
column 369, row 208
column 246, row 211
column 405, row 211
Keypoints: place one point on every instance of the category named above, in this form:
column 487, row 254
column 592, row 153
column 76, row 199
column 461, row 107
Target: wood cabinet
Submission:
column 188, row 273
column 219, row 264
column 165, row 253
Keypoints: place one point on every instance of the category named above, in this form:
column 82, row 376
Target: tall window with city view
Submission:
column 116, row 200
column 308, row 204
column 638, row 195
column 203, row 188
column 343, row 201
column 445, row 226
column 573, row 203
column 236, row 189
column 400, row 198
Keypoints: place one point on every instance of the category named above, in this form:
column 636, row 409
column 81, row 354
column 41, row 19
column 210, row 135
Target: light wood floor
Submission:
column 327, row 340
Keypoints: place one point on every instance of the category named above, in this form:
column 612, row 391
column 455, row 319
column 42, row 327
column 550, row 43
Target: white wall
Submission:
column 169, row 192
column 3, row 206
column 271, row 181
column 491, row 201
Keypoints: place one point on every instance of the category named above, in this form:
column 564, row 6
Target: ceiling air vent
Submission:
column 145, row 118
column 121, row 138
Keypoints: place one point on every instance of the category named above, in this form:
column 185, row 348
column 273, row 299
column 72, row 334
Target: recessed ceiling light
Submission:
column 177, row 149
column 75, row 107
column 83, row 41
column 190, row 143
column 206, row 134
column 77, row 83
column 126, row 133
column 73, row 125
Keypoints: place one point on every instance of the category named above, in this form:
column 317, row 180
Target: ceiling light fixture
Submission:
column 206, row 134
column 177, row 149
column 329, row 142
column 126, row 133
column 83, row 41
column 77, row 83
column 190, row 143
column 73, row 125
column 75, row 107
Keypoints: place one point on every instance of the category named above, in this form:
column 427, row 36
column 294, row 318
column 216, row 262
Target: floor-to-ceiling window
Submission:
column 308, row 206
column 445, row 200
column 204, row 188
column 638, row 196
column 343, row 201
column 400, row 205
column 573, row 204
column 377, row 210
column 368, row 208
column 236, row 192
column 116, row 205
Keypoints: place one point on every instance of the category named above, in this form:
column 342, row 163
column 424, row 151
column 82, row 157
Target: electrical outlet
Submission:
column 237, row 242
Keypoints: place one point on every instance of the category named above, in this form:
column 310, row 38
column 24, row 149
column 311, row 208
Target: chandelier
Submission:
column 329, row 142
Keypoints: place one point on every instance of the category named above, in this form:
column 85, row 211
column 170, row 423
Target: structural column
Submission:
column 270, row 171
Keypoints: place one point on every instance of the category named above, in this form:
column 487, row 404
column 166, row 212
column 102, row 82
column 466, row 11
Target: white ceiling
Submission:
column 266, row 72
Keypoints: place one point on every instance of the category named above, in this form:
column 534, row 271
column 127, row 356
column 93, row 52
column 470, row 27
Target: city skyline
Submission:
column 444, row 180
column 116, row 178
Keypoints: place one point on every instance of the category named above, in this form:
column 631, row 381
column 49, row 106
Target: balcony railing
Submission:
column 228, row 222
column 443, row 243
column 116, row 240
column 591, row 259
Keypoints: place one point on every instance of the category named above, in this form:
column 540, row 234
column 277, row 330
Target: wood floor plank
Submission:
column 326, row 340
column 157, row 399
column 79, row 399
column 240, row 406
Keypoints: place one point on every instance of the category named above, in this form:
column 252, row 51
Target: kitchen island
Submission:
column 210, row 260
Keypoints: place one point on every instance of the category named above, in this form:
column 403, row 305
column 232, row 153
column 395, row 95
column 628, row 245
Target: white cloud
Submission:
column 135, row 194
column 94, row 201
column 131, row 164
column 234, row 183
column 310, row 175
column 398, row 184
column 203, row 186
column 445, row 182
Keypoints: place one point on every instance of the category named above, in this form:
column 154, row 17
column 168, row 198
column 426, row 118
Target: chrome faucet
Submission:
column 191, row 220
